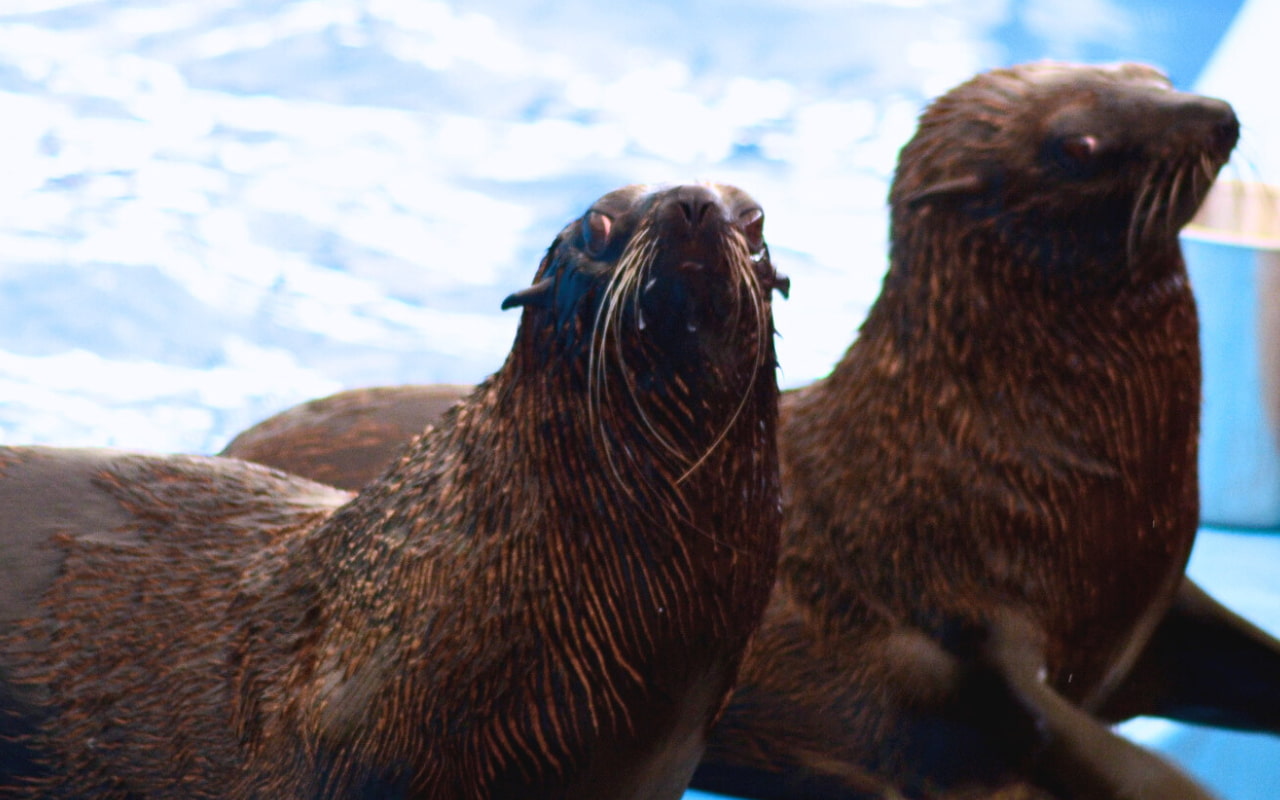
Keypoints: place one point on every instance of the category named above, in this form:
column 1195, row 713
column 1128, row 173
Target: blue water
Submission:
column 212, row 210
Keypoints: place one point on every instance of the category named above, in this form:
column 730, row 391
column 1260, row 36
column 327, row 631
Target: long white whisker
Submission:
column 1175, row 197
column 740, row 260
column 606, row 323
column 607, row 362
column 1152, row 211
column 1136, row 215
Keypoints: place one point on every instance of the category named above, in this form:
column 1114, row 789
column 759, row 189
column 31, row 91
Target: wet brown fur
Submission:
column 346, row 439
column 536, row 600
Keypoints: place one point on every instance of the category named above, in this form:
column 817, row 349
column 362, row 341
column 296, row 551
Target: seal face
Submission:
column 547, row 595
column 989, row 503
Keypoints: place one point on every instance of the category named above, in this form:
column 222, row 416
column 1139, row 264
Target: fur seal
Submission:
column 547, row 595
column 989, row 503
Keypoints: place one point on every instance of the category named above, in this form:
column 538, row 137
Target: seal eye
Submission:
column 751, row 222
column 595, row 233
column 1077, row 153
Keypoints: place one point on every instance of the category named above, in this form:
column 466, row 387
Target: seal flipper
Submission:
column 1205, row 665
column 1080, row 758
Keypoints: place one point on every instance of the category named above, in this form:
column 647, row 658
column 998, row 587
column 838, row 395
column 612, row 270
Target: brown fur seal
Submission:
column 990, row 501
column 547, row 596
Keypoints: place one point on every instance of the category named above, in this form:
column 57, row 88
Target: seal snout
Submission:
column 697, row 206
column 695, row 217
column 703, row 215
column 1226, row 126
column 1211, row 122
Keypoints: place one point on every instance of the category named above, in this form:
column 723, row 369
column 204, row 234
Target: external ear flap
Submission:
column 538, row 295
column 969, row 183
column 782, row 284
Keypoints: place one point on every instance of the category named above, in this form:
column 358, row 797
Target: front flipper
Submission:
column 1080, row 758
column 1204, row 665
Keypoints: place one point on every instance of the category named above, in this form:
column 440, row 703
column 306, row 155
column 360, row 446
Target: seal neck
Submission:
column 516, row 579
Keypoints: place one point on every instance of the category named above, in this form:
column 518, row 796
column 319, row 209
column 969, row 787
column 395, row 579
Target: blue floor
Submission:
column 1242, row 570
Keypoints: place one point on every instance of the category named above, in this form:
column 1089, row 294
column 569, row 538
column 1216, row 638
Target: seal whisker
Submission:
column 1138, row 214
column 1171, row 222
column 1151, row 210
column 629, row 381
column 639, row 270
column 606, row 325
column 746, row 278
column 1207, row 169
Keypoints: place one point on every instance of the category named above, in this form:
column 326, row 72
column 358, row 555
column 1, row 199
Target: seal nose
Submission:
column 1226, row 131
column 1216, row 119
column 697, row 205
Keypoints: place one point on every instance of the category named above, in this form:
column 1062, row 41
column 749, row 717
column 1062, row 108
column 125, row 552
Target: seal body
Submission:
column 990, row 501
column 547, row 595
column 346, row 439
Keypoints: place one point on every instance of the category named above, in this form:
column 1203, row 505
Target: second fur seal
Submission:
column 990, row 502
column 548, row 595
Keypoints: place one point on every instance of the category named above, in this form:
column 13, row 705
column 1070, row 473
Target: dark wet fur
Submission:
column 538, row 599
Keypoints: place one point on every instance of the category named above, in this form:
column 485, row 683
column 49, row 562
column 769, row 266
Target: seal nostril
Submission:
column 1226, row 134
column 694, row 211
column 695, row 203
column 1223, row 126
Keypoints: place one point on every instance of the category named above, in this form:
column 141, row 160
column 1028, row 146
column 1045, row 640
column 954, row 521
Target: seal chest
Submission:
column 547, row 595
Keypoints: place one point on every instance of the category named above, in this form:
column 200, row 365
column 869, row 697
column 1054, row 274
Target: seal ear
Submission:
column 782, row 284
column 969, row 183
column 538, row 295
